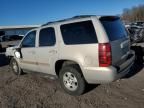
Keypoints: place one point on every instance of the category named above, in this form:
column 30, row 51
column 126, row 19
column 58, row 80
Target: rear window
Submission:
column 79, row 33
column 114, row 28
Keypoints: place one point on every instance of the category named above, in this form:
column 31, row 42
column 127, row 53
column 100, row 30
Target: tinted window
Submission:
column 47, row 37
column 114, row 28
column 79, row 33
column 15, row 37
column 29, row 40
column 5, row 38
column 11, row 38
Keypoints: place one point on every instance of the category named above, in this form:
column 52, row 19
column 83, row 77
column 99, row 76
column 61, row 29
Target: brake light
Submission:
column 105, row 58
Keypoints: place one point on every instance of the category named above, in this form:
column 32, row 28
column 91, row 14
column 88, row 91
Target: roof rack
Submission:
column 82, row 16
column 75, row 17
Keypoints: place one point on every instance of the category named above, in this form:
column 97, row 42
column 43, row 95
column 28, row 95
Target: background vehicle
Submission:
column 79, row 50
column 9, row 40
column 138, row 23
column 136, row 32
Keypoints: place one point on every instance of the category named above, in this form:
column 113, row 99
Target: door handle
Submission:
column 32, row 52
column 124, row 43
column 53, row 51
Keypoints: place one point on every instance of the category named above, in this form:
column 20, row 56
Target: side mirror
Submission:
column 17, row 53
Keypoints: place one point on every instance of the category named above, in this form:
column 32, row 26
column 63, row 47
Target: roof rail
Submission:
column 82, row 16
column 75, row 17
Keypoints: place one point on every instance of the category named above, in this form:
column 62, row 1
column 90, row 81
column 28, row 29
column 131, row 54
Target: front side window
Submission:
column 79, row 33
column 29, row 40
column 47, row 37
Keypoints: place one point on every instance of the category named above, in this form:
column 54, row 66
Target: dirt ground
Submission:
column 35, row 91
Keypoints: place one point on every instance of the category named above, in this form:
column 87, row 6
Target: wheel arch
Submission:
column 63, row 62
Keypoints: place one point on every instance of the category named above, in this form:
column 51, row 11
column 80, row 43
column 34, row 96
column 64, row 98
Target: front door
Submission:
column 28, row 51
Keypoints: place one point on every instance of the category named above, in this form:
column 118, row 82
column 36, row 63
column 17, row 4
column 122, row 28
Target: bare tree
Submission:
column 134, row 14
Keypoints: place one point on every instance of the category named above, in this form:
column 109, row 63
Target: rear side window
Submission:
column 114, row 28
column 47, row 37
column 79, row 33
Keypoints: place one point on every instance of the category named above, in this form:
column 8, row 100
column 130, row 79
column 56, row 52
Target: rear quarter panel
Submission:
column 84, row 55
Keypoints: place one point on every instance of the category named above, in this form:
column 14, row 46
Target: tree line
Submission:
column 134, row 14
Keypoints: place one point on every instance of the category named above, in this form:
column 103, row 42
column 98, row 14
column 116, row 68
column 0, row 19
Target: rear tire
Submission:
column 71, row 80
column 15, row 67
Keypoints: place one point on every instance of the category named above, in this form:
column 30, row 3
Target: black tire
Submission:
column 76, row 74
column 17, row 71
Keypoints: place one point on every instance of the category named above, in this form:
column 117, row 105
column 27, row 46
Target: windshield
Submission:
column 114, row 28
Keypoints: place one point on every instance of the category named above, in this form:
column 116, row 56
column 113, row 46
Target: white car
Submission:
column 80, row 50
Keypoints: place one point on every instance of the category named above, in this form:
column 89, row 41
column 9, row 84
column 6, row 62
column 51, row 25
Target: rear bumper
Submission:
column 99, row 75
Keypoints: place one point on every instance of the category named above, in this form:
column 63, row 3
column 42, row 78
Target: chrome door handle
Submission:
column 124, row 43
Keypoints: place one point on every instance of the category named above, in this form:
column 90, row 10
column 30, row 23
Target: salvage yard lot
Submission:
column 35, row 91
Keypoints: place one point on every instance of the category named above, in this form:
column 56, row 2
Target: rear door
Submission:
column 47, row 50
column 118, row 38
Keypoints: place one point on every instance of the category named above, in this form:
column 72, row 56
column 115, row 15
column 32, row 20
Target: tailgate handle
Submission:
column 124, row 44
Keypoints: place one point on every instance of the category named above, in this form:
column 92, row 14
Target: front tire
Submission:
column 15, row 67
column 71, row 80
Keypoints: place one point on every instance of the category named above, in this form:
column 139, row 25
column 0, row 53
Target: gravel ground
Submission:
column 35, row 91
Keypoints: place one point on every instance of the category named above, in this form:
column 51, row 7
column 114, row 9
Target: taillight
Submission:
column 105, row 57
